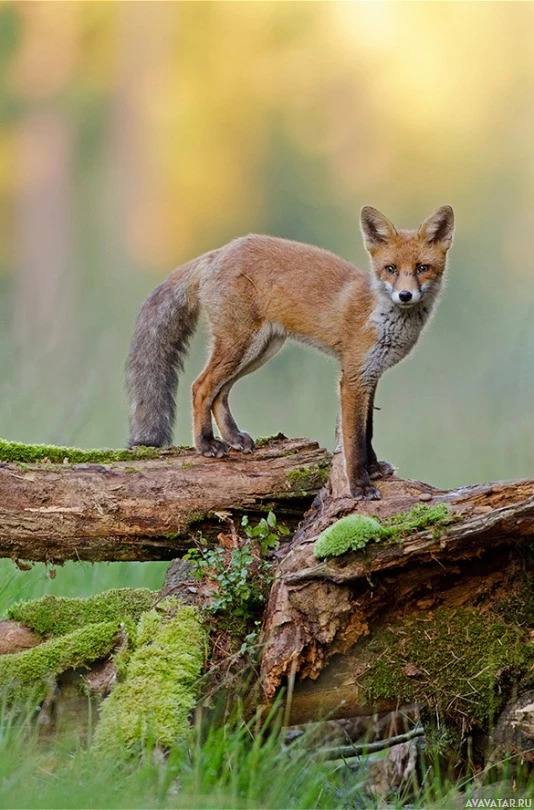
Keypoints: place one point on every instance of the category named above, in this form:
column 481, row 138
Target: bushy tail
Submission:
column 164, row 327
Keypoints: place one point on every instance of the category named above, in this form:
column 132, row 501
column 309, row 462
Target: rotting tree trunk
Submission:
column 318, row 609
column 150, row 509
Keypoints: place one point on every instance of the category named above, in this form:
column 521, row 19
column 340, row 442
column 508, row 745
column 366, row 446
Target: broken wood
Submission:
column 153, row 509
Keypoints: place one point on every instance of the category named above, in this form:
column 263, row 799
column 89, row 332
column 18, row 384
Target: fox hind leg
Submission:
column 258, row 353
column 222, row 365
column 235, row 438
column 229, row 360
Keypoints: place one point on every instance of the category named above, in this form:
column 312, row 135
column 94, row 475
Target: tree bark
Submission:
column 150, row 510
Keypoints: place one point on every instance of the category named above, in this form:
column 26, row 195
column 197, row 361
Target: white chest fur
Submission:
column 397, row 333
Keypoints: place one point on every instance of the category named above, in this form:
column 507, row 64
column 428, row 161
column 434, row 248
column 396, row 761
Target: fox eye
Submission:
column 421, row 268
column 390, row 268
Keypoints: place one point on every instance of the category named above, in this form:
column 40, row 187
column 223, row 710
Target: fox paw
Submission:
column 242, row 441
column 213, row 448
column 365, row 493
column 381, row 469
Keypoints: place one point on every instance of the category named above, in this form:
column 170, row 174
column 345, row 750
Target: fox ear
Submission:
column 439, row 227
column 376, row 228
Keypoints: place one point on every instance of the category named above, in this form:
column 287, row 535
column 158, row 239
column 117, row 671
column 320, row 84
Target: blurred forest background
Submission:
column 134, row 136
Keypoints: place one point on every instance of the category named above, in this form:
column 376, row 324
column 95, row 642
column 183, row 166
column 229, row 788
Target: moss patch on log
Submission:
column 19, row 453
column 262, row 441
column 419, row 517
column 56, row 615
column 354, row 532
column 27, row 676
column 153, row 704
column 460, row 663
column 158, row 662
column 304, row 479
column 79, row 631
column 347, row 534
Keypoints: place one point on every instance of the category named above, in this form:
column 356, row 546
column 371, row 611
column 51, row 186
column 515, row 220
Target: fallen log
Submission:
column 330, row 625
column 150, row 509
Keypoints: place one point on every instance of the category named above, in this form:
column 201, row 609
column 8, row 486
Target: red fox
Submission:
column 256, row 292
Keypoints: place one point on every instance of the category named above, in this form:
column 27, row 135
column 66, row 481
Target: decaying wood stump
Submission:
column 320, row 613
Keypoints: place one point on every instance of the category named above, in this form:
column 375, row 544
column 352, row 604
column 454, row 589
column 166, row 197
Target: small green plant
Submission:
column 250, row 642
column 241, row 574
column 267, row 532
column 238, row 591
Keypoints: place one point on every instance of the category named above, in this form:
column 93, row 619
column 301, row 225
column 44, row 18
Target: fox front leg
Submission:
column 354, row 409
column 376, row 469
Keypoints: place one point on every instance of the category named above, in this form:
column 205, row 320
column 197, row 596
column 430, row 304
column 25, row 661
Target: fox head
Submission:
column 408, row 265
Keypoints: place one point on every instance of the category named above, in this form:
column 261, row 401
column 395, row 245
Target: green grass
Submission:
column 227, row 767
column 223, row 767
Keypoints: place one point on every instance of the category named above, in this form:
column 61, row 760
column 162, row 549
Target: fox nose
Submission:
column 405, row 296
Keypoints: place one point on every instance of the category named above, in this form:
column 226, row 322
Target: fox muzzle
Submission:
column 406, row 297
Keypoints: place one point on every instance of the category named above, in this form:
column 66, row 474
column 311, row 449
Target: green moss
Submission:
column 304, row 479
column 450, row 660
column 19, row 453
column 419, row 517
column 122, row 653
column 261, row 441
column 354, row 532
column 194, row 517
column 55, row 615
column 348, row 534
column 27, row 676
column 153, row 704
